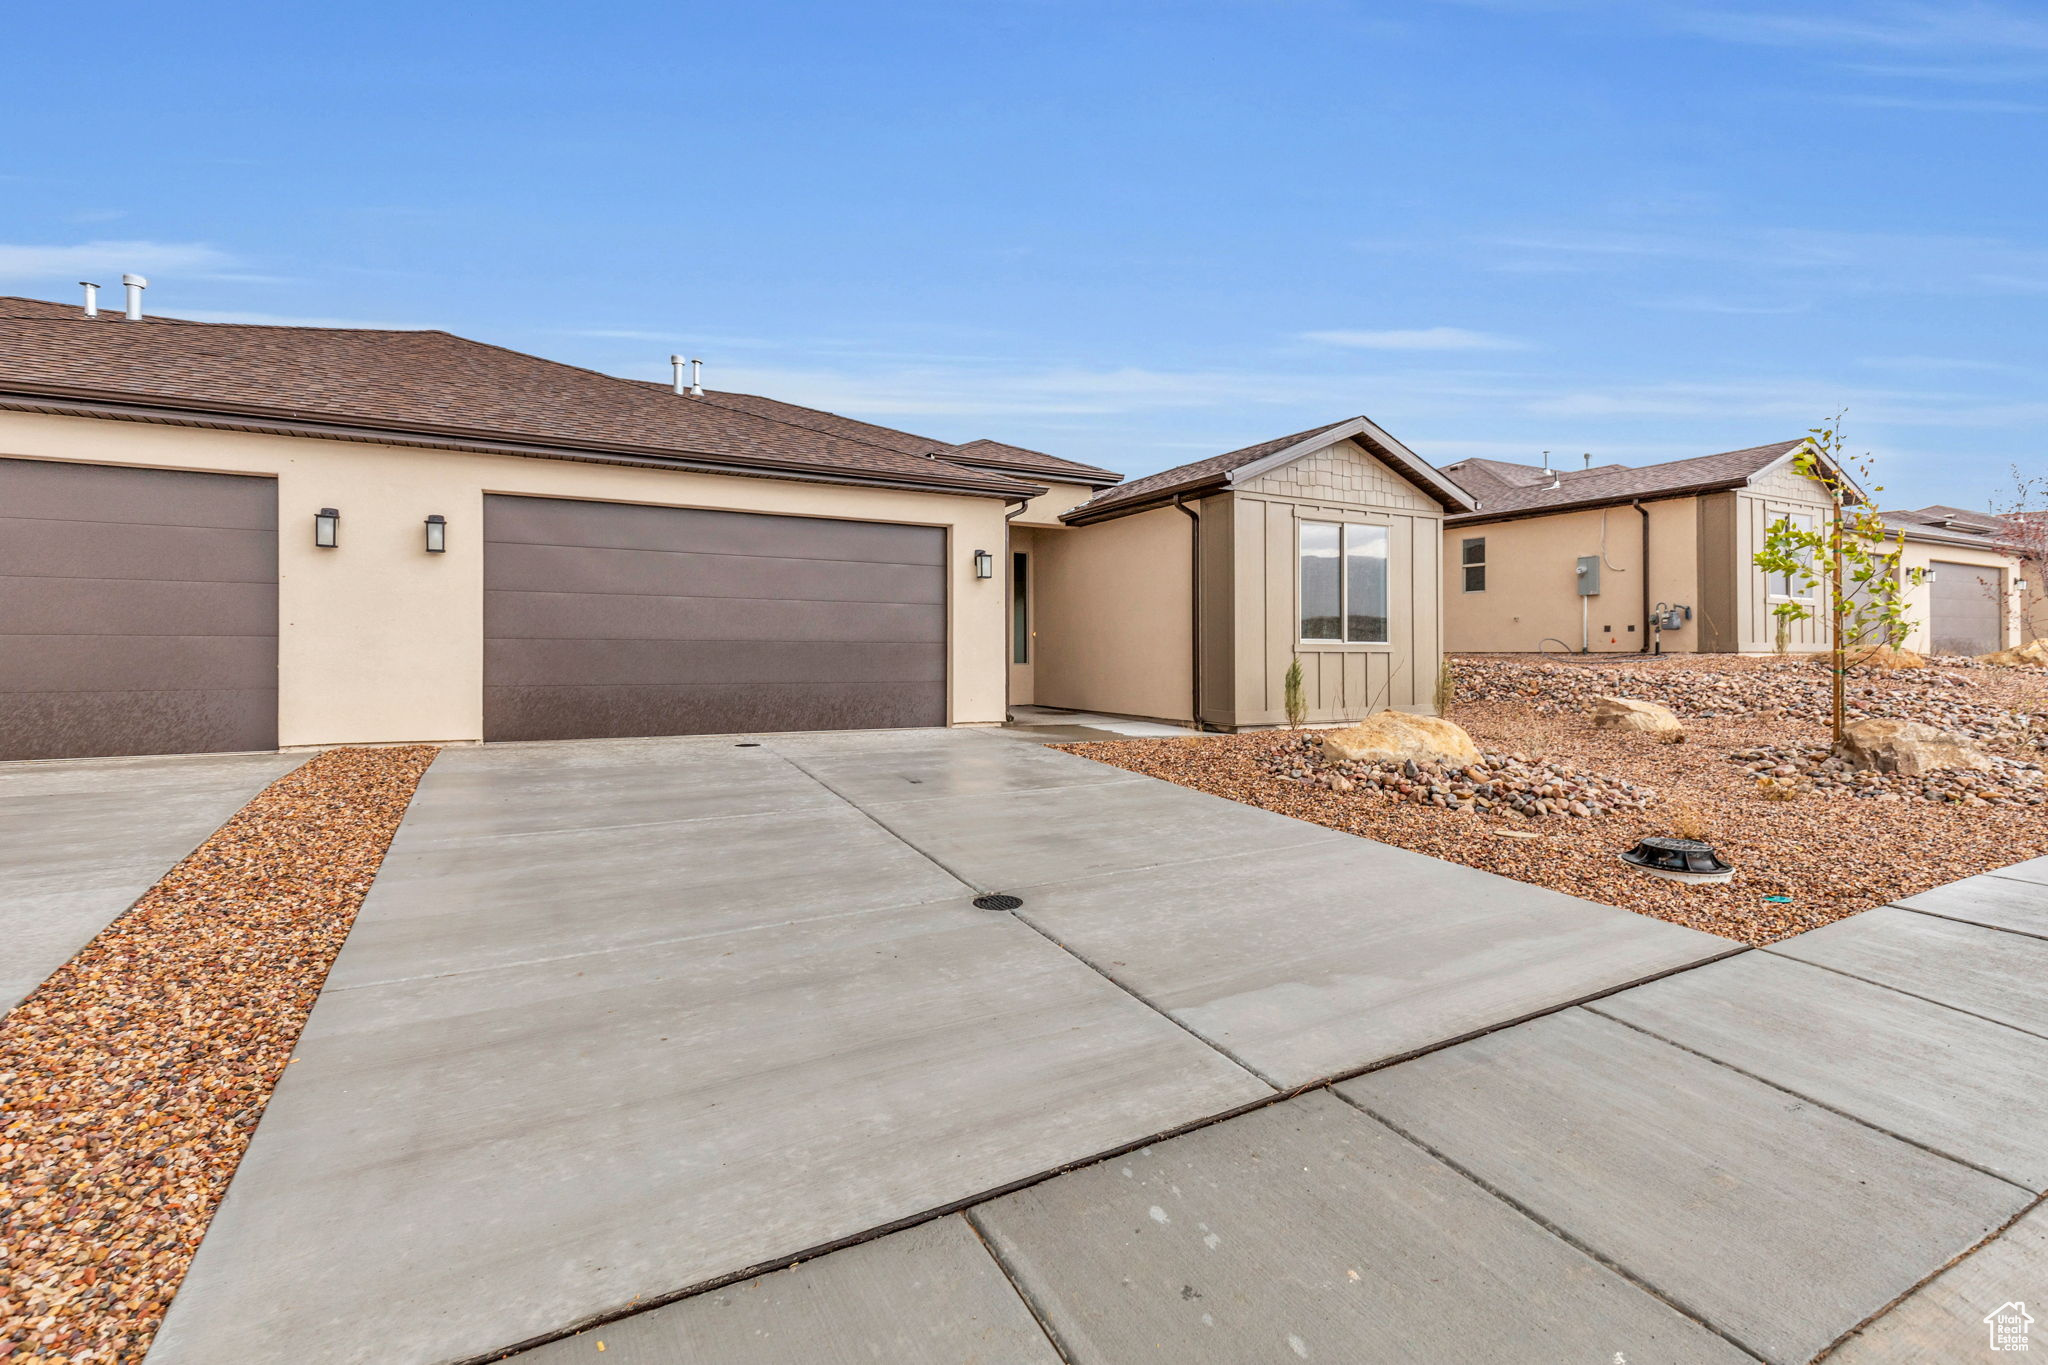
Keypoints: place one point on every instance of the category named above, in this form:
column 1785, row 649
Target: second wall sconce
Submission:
column 437, row 534
column 326, row 528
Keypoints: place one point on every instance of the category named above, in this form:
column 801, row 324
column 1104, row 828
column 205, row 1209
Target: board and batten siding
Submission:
column 1254, row 595
column 1771, row 496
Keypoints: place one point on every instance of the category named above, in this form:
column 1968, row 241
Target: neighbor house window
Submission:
column 1794, row 586
column 1474, row 558
column 1020, row 608
column 1343, row 583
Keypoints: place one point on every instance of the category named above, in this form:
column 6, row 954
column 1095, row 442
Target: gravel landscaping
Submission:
column 1555, row 801
column 134, row 1077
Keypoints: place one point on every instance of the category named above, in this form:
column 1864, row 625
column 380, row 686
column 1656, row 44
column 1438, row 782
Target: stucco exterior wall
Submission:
column 1114, row 616
column 1531, row 589
column 379, row 641
column 1058, row 498
column 1261, row 584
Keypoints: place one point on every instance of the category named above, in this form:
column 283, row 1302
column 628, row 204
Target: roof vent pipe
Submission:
column 1546, row 462
column 696, row 379
column 134, row 285
column 92, row 298
column 676, row 364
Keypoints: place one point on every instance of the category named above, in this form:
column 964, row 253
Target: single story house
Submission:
column 220, row 537
column 1617, row 558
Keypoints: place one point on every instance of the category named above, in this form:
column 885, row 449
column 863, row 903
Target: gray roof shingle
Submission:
column 1504, row 489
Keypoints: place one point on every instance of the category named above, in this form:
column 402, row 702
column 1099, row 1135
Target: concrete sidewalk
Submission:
column 622, row 1019
column 1760, row 1158
column 82, row 839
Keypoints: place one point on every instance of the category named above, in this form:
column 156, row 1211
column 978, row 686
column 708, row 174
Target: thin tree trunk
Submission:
column 1841, row 614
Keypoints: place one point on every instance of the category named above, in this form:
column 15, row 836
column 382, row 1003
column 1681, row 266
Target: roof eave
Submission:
column 75, row 403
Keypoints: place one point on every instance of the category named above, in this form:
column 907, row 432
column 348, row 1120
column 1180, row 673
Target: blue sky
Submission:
column 1130, row 233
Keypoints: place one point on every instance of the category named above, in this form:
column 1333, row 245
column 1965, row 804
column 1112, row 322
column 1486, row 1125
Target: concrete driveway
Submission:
column 625, row 1019
column 81, row 840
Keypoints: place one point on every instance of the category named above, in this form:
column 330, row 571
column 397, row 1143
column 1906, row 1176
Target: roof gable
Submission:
column 1234, row 468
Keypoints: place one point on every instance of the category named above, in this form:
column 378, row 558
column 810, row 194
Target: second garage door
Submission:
column 1967, row 601
column 608, row 620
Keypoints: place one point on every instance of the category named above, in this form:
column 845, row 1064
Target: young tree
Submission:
column 1292, row 698
column 1850, row 565
column 2023, row 511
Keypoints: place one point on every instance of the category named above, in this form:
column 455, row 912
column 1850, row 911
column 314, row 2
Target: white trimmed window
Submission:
column 1794, row 587
column 1343, row 576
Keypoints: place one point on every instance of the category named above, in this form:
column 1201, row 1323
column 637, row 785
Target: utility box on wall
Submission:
column 1589, row 575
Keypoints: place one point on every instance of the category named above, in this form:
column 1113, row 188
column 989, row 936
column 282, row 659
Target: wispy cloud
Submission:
column 1418, row 339
column 22, row 262
column 1901, row 25
column 1933, row 105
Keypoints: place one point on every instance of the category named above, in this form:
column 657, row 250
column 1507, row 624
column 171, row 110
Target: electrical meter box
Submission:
column 1589, row 575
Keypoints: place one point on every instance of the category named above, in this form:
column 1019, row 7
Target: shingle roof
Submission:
column 1197, row 474
column 431, row 383
column 1509, row 489
column 987, row 454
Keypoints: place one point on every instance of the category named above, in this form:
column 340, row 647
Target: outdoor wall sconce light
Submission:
column 437, row 534
column 326, row 528
column 984, row 564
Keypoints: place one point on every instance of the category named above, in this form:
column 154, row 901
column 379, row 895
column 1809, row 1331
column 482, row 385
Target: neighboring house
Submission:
column 222, row 537
column 1189, row 592
column 1973, row 594
column 1516, row 567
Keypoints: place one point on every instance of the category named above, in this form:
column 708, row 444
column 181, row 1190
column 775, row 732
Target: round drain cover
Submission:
column 998, row 902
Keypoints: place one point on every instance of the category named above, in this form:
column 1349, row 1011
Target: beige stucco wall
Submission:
column 379, row 641
column 1114, row 616
column 1919, row 597
column 1532, row 585
column 1045, row 509
column 1260, row 582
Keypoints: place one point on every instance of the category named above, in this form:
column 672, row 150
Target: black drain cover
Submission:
column 998, row 902
column 746, row 744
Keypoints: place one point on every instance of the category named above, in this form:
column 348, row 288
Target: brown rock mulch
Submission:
column 1827, row 858
column 133, row 1078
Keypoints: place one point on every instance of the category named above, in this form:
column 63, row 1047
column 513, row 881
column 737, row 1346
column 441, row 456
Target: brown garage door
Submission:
column 138, row 611
column 603, row 619
column 1967, row 602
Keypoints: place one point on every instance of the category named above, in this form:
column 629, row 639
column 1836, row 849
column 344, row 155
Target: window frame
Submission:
column 1020, row 608
column 1344, row 528
column 1466, row 564
column 1804, row 521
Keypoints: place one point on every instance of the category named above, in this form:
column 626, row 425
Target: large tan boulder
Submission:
column 1396, row 737
column 1904, row 746
column 1626, row 713
column 2032, row 654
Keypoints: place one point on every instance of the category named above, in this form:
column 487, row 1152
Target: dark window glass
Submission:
column 1020, row 608
column 1475, row 550
column 1474, row 560
column 1320, row 586
column 1365, row 584
column 1475, row 578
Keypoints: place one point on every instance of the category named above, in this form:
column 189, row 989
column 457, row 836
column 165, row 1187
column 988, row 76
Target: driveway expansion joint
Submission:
column 1804, row 1098
column 1771, row 948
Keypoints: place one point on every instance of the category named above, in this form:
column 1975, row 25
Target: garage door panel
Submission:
column 608, row 663
column 136, row 663
column 96, row 606
column 104, row 724
column 40, row 548
column 610, row 620
column 138, row 611
column 1966, row 607
column 573, row 568
column 49, row 489
column 612, row 525
column 525, row 713
column 714, row 620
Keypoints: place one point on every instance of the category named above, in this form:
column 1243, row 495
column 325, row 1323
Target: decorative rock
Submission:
column 1396, row 736
column 1626, row 713
column 2033, row 654
column 1903, row 746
